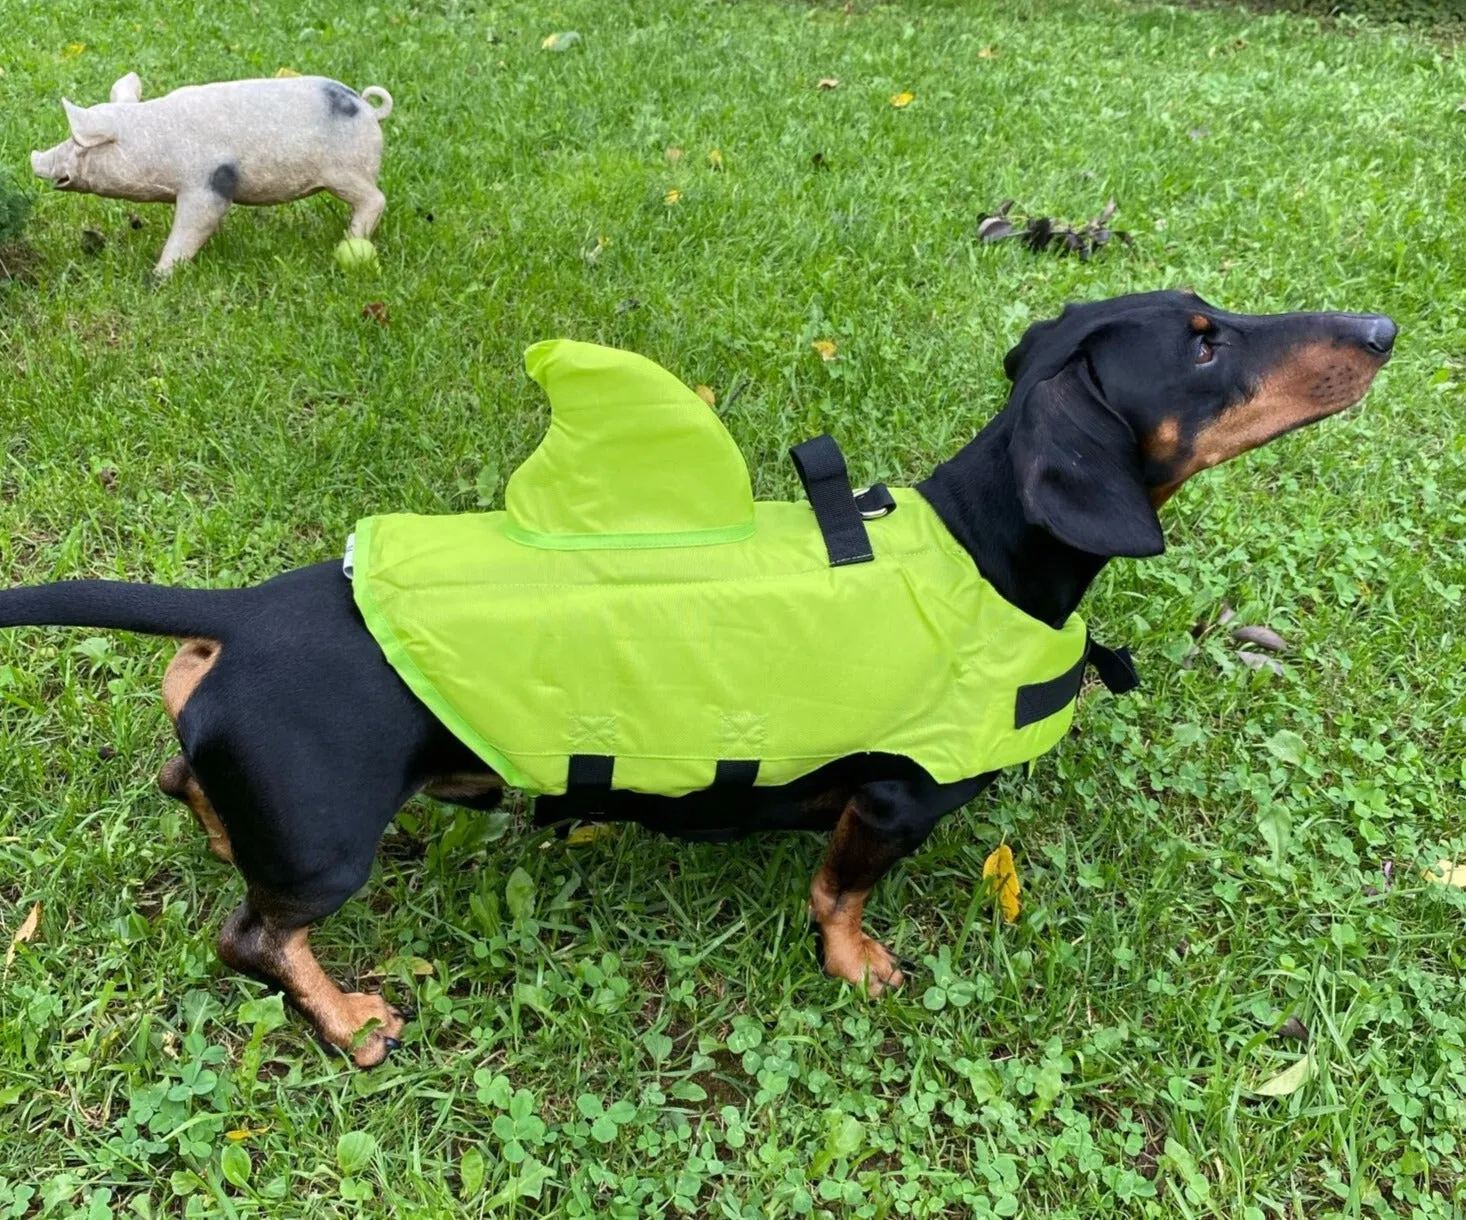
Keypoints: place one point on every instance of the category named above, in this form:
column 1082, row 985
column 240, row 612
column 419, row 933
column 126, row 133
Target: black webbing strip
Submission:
column 736, row 773
column 1039, row 700
column 1115, row 667
column 590, row 771
column 821, row 468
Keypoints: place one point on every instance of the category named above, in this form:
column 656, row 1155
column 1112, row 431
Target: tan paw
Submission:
column 369, row 1047
column 860, row 960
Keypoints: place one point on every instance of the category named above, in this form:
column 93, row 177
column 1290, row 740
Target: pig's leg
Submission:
column 196, row 216
column 367, row 203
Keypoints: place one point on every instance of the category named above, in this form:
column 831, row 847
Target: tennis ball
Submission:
column 353, row 253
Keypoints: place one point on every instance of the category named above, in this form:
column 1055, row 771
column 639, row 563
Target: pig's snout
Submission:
column 46, row 164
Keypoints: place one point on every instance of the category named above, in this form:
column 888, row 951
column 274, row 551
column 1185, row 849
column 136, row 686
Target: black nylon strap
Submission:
column 1039, row 700
column 735, row 773
column 1115, row 667
column 590, row 771
column 821, row 468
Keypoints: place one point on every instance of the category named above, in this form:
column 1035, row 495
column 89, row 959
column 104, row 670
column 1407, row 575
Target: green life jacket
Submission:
column 633, row 619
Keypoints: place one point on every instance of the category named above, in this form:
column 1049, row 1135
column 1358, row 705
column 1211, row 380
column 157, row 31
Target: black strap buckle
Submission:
column 821, row 468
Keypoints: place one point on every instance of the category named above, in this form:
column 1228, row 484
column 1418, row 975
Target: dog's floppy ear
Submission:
column 1078, row 465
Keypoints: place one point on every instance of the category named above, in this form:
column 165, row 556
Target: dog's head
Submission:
column 1117, row 403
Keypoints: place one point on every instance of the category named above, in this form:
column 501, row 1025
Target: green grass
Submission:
column 1201, row 863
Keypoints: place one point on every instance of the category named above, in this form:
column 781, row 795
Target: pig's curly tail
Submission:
column 385, row 108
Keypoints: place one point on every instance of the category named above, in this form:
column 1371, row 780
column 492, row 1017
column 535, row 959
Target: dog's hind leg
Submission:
column 190, row 665
column 177, row 781
column 270, row 940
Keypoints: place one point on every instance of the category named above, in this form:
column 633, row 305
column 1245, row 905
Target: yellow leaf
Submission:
column 24, row 933
column 420, row 966
column 1447, row 873
column 825, row 348
column 705, row 392
column 1001, row 868
column 715, row 159
column 589, row 833
column 902, row 100
column 672, row 198
column 1288, row 1081
column 243, row 1133
column 673, row 154
column 286, row 73
column 829, row 82
column 988, row 53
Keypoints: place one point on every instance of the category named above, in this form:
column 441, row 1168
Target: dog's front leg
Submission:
column 858, row 856
column 882, row 822
column 263, row 943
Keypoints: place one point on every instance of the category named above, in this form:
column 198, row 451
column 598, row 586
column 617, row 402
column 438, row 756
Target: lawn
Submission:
column 1222, row 874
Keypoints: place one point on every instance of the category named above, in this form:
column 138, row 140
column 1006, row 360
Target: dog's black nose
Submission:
column 1378, row 333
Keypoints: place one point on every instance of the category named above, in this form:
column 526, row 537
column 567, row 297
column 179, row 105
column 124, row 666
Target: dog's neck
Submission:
column 975, row 494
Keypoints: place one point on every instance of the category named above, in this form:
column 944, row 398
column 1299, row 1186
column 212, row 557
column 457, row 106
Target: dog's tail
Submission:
column 150, row 609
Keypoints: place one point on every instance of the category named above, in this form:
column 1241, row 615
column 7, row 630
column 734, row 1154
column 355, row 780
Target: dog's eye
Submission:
column 1205, row 352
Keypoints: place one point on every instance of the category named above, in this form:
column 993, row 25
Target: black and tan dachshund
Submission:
column 299, row 741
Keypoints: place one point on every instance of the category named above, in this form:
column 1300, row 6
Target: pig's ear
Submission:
column 88, row 127
column 128, row 89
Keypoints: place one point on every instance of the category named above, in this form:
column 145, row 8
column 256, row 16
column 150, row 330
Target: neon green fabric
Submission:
column 707, row 626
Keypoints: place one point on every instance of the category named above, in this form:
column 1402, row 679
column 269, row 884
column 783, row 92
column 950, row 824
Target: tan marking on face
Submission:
column 188, row 668
column 177, row 781
column 1162, row 443
column 1316, row 381
column 1200, row 323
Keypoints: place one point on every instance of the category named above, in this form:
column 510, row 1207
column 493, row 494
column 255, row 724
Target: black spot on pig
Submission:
column 224, row 181
column 342, row 101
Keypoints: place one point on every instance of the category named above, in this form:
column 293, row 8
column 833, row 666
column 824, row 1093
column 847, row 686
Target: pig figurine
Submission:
column 207, row 146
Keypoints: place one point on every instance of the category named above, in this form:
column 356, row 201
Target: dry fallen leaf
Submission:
column 1293, row 1028
column 673, row 153
column 715, row 159
column 23, row 933
column 825, row 348
column 1000, row 866
column 376, row 311
column 672, row 197
column 990, row 52
column 1447, row 873
column 1263, row 637
column 1255, row 660
column 902, row 100
column 244, row 1133
column 285, row 73
column 829, row 82
column 1288, row 1081
column 705, row 392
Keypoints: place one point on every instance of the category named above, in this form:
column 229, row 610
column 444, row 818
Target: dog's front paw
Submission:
column 858, row 959
column 370, row 1046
